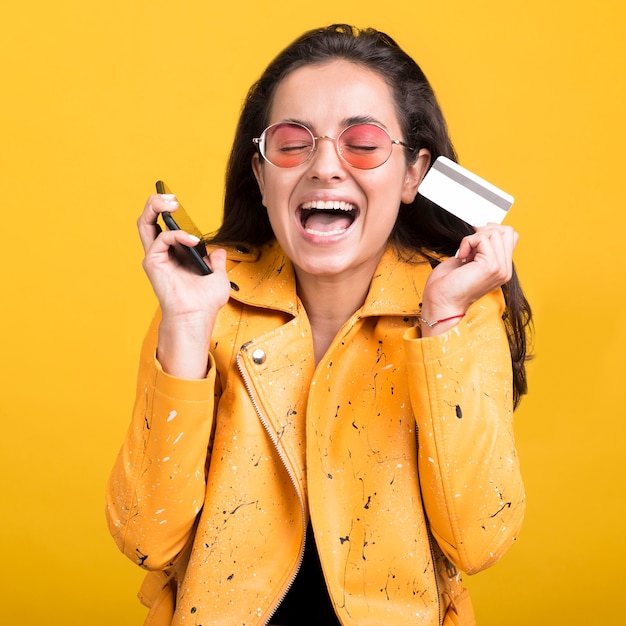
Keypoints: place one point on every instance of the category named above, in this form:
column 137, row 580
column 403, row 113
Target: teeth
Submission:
column 329, row 205
column 325, row 233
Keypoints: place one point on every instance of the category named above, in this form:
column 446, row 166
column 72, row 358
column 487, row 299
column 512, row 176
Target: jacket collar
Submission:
column 266, row 278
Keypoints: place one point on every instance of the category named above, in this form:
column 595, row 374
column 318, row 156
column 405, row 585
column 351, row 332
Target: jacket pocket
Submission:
column 158, row 593
column 460, row 611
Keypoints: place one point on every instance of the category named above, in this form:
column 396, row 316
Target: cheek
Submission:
column 277, row 189
column 276, row 196
column 269, row 194
column 386, row 192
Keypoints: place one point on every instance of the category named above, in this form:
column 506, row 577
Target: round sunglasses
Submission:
column 364, row 146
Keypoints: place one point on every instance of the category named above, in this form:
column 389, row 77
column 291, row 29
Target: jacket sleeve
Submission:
column 157, row 486
column 461, row 390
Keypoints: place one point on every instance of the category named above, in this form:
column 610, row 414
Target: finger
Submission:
column 168, row 238
column 491, row 248
column 159, row 251
column 468, row 247
column 147, row 221
column 502, row 241
column 217, row 260
column 501, row 261
column 491, row 229
column 490, row 232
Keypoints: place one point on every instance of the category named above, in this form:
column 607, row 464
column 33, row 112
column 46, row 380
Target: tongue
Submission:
column 325, row 222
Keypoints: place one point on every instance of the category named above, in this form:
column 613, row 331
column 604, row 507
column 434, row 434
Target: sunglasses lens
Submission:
column 364, row 146
column 287, row 145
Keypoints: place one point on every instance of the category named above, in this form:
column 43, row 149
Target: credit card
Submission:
column 462, row 193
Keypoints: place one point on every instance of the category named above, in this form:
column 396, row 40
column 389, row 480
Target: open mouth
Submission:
column 326, row 218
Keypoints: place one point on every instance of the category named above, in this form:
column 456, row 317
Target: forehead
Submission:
column 332, row 92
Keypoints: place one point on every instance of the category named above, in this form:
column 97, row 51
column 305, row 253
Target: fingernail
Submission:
column 169, row 198
column 194, row 238
column 456, row 254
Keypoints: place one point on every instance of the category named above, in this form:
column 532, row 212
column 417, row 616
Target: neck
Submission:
column 329, row 303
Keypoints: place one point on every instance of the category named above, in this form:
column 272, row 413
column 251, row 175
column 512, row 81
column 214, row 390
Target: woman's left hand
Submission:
column 483, row 263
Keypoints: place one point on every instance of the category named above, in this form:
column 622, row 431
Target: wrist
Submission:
column 183, row 347
column 430, row 324
column 436, row 322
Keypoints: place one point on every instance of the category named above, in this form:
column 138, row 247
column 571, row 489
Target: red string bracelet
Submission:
column 445, row 319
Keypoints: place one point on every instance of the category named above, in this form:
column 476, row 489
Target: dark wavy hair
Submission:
column 421, row 226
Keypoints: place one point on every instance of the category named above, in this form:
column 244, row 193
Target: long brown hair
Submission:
column 421, row 225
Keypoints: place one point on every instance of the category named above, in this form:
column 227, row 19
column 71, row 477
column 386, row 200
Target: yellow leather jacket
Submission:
column 398, row 449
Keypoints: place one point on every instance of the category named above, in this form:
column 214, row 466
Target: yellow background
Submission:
column 98, row 100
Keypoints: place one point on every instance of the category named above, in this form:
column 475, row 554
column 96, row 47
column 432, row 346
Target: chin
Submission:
column 331, row 264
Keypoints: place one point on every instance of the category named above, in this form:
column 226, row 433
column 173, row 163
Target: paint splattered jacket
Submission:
column 399, row 449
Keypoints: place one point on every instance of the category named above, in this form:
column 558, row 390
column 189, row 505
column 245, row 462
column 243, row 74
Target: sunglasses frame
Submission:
column 260, row 143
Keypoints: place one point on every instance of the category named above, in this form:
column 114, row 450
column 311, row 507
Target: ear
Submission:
column 414, row 175
column 257, row 168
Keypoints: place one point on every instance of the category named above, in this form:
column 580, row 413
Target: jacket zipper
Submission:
column 430, row 540
column 263, row 420
column 432, row 558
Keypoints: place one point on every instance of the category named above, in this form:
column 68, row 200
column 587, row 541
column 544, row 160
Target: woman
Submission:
column 323, row 426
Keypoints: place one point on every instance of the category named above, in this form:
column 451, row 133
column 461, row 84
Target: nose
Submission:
column 326, row 164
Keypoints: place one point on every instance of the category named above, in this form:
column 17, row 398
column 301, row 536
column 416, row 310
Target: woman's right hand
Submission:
column 189, row 301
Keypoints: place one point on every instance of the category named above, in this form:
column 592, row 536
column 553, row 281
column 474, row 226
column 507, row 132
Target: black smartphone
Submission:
column 181, row 221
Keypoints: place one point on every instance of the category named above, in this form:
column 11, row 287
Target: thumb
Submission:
column 217, row 260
